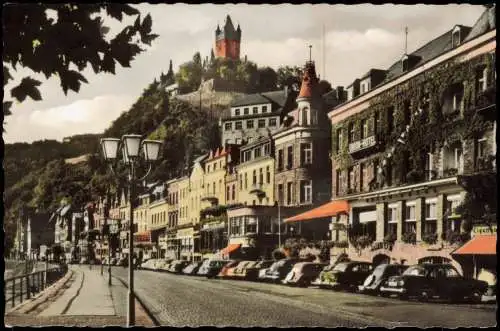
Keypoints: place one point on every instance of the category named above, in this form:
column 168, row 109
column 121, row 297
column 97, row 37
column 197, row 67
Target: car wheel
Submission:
column 476, row 296
column 424, row 296
column 354, row 289
column 403, row 296
column 384, row 294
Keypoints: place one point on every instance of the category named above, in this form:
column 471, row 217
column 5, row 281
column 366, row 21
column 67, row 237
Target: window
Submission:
column 267, row 149
column 254, row 110
column 364, row 128
column 351, row 133
column 289, row 159
column 246, row 181
column 280, row 160
column 264, row 109
column 289, row 193
column 268, row 175
column 280, row 194
column 339, row 140
column 234, row 226
column 305, row 191
column 392, row 215
column 220, row 186
column 338, row 182
column 228, row 126
column 455, row 38
column 247, row 156
column 254, row 181
column 250, row 124
column 305, row 153
column 245, row 111
column 257, row 152
column 237, row 112
column 261, row 123
column 410, row 212
column 405, row 64
column 241, row 181
column 481, row 148
column 350, row 180
column 430, row 210
column 364, row 173
column 233, row 193
column 239, row 126
column 482, row 79
column 272, row 122
column 362, row 88
column 304, row 116
column 215, row 166
column 251, row 224
column 265, row 225
column 457, row 101
column 261, row 176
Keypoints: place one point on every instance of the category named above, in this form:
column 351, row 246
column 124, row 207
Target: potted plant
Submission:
column 429, row 238
column 341, row 244
column 390, row 238
column 409, row 237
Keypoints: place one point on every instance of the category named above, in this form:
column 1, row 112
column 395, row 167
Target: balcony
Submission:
column 210, row 197
column 362, row 144
column 257, row 188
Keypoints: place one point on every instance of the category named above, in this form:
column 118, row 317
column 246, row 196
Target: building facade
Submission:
column 400, row 147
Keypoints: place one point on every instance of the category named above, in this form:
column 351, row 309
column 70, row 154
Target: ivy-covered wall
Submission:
column 429, row 132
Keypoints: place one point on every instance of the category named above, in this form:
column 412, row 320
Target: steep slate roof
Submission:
column 277, row 97
column 486, row 22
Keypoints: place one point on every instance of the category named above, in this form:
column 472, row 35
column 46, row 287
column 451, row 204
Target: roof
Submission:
column 370, row 72
column 485, row 23
column 479, row 245
column 277, row 97
column 309, row 81
column 329, row 209
column 200, row 158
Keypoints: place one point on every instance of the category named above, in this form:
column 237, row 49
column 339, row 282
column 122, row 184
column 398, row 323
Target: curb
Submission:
column 40, row 298
column 141, row 303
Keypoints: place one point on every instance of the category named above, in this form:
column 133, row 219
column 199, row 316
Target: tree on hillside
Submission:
column 268, row 79
column 65, row 45
column 289, row 76
column 324, row 87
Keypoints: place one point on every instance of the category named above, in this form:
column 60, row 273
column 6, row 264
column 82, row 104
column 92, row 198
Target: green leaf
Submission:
column 27, row 88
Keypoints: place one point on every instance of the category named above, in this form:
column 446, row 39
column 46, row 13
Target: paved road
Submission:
column 178, row 300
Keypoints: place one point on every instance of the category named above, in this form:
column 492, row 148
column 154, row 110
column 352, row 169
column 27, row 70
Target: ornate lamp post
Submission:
column 130, row 146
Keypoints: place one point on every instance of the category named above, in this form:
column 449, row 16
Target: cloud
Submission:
column 82, row 116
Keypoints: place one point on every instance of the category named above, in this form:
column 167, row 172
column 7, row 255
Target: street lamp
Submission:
column 130, row 146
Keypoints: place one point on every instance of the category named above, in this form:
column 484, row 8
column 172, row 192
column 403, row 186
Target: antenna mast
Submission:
column 310, row 57
column 406, row 40
column 324, row 53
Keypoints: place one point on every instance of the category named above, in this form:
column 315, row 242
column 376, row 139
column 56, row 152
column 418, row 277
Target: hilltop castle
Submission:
column 227, row 40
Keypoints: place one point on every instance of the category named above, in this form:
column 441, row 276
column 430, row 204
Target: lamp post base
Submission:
column 131, row 309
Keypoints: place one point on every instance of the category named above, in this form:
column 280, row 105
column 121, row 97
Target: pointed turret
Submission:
column 309, row 81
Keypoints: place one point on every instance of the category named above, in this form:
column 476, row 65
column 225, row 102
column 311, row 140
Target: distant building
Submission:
column 227, row 40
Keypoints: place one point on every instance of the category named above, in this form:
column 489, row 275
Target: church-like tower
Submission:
column 227, row 40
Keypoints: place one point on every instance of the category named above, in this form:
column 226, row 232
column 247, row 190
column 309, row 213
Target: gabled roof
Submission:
column 485, row 23
column 277, row 97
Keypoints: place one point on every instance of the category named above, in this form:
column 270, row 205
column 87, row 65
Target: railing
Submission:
column 362, row 144
column 23, row 287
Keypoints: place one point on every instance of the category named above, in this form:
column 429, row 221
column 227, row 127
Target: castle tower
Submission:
column 309, row 100
column 227, row 40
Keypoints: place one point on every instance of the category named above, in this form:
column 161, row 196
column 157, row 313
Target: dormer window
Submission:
column 406, row 63
column 455, row 37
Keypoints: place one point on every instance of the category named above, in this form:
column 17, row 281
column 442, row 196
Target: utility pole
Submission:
column 406, row 40
column 324, row 54
column 310, row 50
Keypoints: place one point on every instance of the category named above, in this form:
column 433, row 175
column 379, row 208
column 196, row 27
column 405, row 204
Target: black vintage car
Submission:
column 427, row 281
column 380, row 274
column 344, row 275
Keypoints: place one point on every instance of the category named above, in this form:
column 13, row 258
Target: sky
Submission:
column 357, row 38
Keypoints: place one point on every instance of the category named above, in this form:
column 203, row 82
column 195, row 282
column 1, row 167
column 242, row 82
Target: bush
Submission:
column 361, row 242
column 455, row 237
column 410, row 237
column 429, row 238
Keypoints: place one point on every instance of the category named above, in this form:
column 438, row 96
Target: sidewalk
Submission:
column 87, row 301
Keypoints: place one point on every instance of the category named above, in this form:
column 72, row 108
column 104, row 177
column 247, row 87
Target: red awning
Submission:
column 329, row 209
column 142, row 236
column 479, row 245
column 230, row 248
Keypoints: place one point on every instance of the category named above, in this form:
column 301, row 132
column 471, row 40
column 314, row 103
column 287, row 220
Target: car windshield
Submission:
column 214, row 263
column 415, row 271
column 341, row 267
column 451, row 272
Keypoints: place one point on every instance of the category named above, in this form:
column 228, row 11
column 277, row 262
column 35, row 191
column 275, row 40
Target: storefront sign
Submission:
column 484, row 230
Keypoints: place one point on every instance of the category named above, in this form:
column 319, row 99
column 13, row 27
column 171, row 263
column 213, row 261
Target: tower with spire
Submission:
column 309, row 99
column 227, row 40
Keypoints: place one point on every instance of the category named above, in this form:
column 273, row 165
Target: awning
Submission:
column 230, row 248
column 329, row 209
column 479, row 245
column 142, row 236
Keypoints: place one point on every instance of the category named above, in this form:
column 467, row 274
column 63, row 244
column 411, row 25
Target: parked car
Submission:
column 428, row 281
column 211, row 268
column 233, row 270
column 303, row 273
column 148, row 265
column 344, row 275
column 192, row 268
column 251, row 271
column 380, row 274
column 278, row 270
column 177, row 266
column 123, row 261
column 227, row 267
